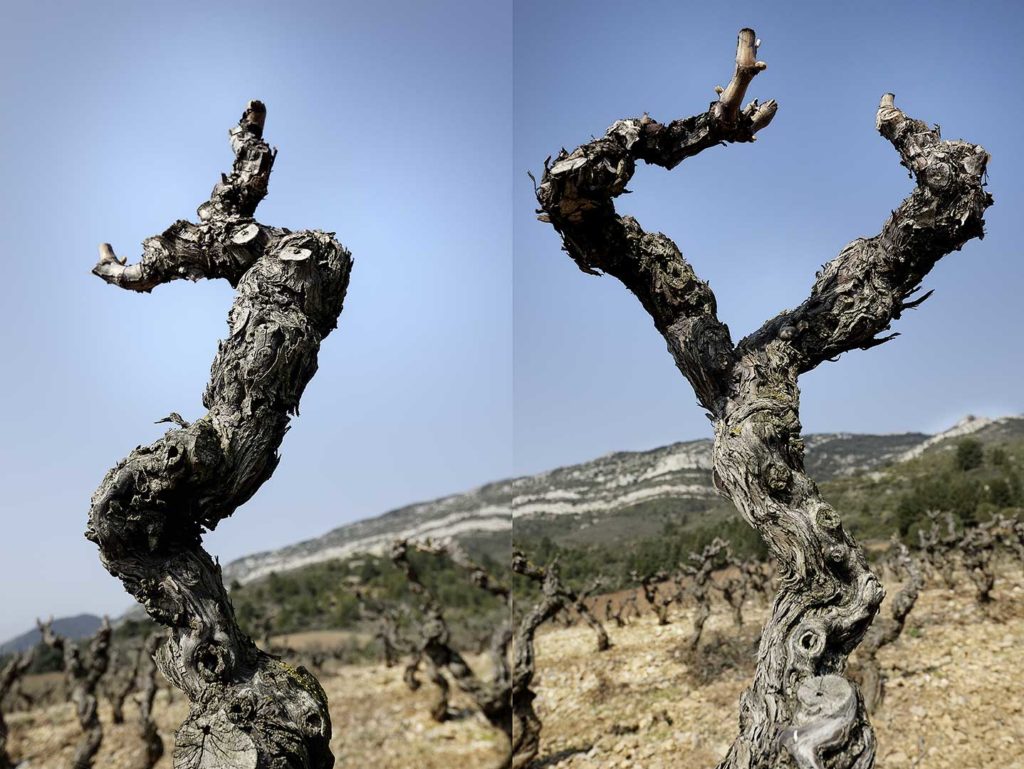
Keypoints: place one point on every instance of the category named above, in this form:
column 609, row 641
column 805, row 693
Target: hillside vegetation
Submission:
column 973, row 477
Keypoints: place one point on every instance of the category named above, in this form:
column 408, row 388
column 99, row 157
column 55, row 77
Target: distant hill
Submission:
column 636, row 497
column 79, row 626
column 623, row 495
column 480, row 519
column 626, row 497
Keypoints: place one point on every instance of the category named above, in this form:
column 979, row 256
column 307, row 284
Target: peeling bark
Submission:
column 827, row 596
column 248, row 709
column 83, row 676
column 10, row 675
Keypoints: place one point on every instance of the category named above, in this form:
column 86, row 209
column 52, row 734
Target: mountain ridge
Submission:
column 623, row 482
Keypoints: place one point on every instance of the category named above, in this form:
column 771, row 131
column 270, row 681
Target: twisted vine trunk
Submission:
column 492, row 697
column 590, row 617
column 83, row 676
column 248, row 709
column 800, row 710
column 526, row 724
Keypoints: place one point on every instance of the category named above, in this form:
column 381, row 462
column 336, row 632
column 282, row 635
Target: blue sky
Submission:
column 393, row 123
column 756, row 220
column 401, row 128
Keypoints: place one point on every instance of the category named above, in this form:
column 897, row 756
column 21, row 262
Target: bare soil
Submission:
column 953, row 698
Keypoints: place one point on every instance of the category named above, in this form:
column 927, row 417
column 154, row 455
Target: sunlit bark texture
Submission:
column 82, row 677
column 800, row 710
column 150, row 512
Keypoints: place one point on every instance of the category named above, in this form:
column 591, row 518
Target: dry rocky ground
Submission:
column 953, row 699
column 377, row 722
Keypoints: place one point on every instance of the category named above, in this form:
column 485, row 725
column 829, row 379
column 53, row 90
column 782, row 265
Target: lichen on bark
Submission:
column 248, row 710
column 800, row 710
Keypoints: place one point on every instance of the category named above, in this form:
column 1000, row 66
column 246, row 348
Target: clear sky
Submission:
column 393, row 121
column 756, row 220
column 395, row 126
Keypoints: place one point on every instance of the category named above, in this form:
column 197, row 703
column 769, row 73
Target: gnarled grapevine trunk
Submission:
column 248, row 710
column 799, row 710
column 700, row 571
column 526, row 724
column 492, row 697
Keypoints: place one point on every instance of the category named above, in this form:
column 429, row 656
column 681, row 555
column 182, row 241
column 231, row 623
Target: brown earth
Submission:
column 953, row 696
column 377, row 722
column 953, row 699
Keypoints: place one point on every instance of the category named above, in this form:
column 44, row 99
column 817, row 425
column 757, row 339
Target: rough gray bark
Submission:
column 492, row 697
column 83, row 676
column 152, row 744
column 827, row 595
column 526, row 724
column 885, row 631
column 10, row 674
column 248, row 709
